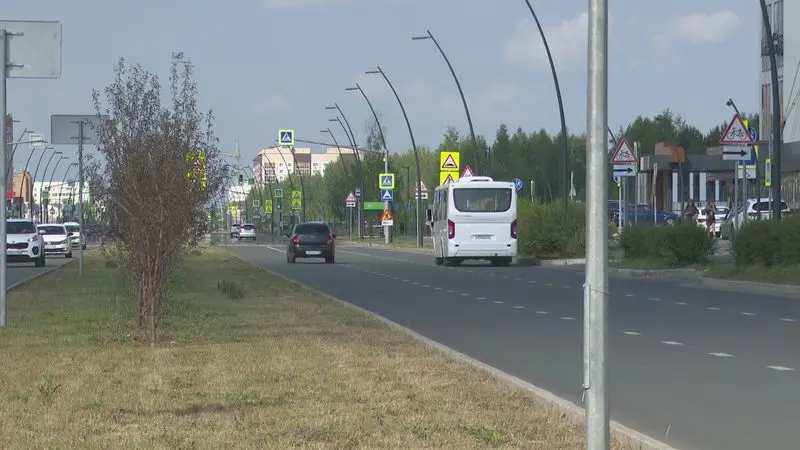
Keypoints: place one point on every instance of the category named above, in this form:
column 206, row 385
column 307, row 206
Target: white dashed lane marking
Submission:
column 631, row 333
column 481, row 298
column 628, row 295
column 747, row 314
column 786, row 319
column 781, row 368
column 518, row 307
column 567, row 318
column 672, row 343
column 465, row 295
column 681, row 303
column 498, row 302
column 654, row 299
column 541, row 312
column 721, row 355
column 713, row 309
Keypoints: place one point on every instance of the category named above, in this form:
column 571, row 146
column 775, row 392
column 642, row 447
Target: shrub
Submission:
column 230, row 289
column 765, row 243
column 545, row 230
column 679, row 245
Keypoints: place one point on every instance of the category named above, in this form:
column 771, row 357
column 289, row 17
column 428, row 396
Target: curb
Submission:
column 528, row 262
column 675, row 274
column 782, row 290
column 571, row 410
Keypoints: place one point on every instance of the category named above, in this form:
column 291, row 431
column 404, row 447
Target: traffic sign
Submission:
column 420, row 187
column 518, row 185
column 624, row 170
column 736, row 133
column 617, row 180
column 297, row 205
column 278, row 193
column 386, row 181
column 350, row 201
column 449, row 161
column 467, row 172
column 387, row 195
column 423, row 191
column 36, row 141
column 753, row 133
column 754, row 154
column 624, row 153
column 256, row 203
column 297, row 195
column 358, row 192
column 447, row 177
column 268, row 206
column 737, row 152
column 768, row 172
column 286, row 138
column 387, row 220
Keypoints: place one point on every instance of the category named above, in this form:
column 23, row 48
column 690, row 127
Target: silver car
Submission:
column 247, row 231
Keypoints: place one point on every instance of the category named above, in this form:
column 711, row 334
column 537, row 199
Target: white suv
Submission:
column 24, row 243
column 76, row 238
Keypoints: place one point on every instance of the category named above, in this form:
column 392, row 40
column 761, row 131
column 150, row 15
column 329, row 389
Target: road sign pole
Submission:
column 595, row 320
column 3, row 181
column 387, row 205
column 80, row 198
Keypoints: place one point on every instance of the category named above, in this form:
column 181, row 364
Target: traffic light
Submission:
column 279, row 203
column 241, row 179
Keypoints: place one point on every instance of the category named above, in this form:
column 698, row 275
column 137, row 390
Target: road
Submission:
column 21, row 271
column 695, row 368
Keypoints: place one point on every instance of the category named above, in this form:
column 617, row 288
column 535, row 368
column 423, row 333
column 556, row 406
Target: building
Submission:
column 23, row 188
column 61, row 197
column 274, row 164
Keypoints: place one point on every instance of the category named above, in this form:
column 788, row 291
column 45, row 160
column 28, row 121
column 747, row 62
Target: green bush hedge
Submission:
column 678, row 245
column 546, row 231
column 768, row 244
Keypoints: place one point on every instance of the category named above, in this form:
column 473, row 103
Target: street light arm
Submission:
column 463, row 98
column 560, row 103
column 374, row 115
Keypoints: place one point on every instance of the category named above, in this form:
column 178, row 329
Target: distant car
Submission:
column 311, row 240
column 56, row 239
column 235, row 229
column 643, row 214
column 77, row 239
column 24, row 243
column 247, row 231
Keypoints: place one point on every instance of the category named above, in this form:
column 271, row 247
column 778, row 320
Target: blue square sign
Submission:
column 387, row 195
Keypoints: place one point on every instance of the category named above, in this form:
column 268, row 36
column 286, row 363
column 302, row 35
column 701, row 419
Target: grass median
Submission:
column 245, row 360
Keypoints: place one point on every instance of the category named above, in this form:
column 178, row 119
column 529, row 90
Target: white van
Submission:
column 474, row 218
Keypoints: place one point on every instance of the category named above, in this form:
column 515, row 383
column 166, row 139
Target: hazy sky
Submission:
column 269, row 64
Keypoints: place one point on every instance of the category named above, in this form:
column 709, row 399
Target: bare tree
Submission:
column 158, row 172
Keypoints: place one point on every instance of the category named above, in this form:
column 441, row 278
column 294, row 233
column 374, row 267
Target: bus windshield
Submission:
column 482, row 200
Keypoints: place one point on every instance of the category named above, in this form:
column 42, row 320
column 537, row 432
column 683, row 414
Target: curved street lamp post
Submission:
column 460, row 92
column 41, row 188
column 50, row 182
column 352, row 138
column 387, row 231
column 560, row 105
column 380, row 72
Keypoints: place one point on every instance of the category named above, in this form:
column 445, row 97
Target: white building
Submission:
column 61, row 197
column 276, row 163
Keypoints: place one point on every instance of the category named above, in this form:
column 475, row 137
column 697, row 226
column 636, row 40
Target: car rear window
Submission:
column 72, row 228
column 236, row 225
column 20, row 228
column 248, row 227
column 767, row 206
column 312, row 228
column 52, row 229
column 487, row 200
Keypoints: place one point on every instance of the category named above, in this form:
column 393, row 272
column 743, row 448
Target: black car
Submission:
column 311, row 240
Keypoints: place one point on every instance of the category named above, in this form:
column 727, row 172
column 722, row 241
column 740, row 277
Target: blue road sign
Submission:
column 387, row 181
column 517, row 184
column 358, row 192
column 753, row 133
column 387, row 195
column 616, row 179
column 287, row 137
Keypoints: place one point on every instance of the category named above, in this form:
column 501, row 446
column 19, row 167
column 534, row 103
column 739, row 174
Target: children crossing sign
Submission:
column 297, row 200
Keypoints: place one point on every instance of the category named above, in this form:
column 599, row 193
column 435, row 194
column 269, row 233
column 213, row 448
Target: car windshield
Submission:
column 20, row 228
column 312, row 229
column 488, row 200
column 72, row 228
column 52, row 229
column 248, row 227
column 236, row 225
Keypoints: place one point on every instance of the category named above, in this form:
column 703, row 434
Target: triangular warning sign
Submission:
column 350, row 198
column 624, row 153
column 449, row 163
column 467, row 172
column 297, row 195
column 449, row 179
column 424, row 188
column 736, row 133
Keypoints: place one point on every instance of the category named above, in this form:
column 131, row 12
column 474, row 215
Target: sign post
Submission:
column 28, row 49
column 737, row 146
column 626, row 164
column 386, row 185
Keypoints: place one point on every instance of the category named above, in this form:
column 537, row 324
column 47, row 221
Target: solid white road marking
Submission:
column 632, row 333
column 781, row 368
column 671, row 343
column 786, row 319
column 721, row 355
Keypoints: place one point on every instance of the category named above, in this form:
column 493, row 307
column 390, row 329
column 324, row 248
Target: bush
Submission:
column 766, row 243
column 678, row 245
column 544, row 229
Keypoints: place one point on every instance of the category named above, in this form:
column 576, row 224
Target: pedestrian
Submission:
column 691, row 211
column 711, row 215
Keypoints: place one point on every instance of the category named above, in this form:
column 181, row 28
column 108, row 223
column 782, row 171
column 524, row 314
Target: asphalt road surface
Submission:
column 693, row 367
column 18, row 272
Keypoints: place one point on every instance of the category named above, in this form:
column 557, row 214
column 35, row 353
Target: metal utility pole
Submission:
column 595, row 320
column 81, row 217
column 3, row 180
column 776, row 114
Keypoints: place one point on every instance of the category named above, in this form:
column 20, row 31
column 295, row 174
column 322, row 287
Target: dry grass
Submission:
column 278, row 367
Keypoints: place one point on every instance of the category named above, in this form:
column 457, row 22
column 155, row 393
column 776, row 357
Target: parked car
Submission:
column 247, row 231
column 642, row 213
column 57, row 240
column 751, row 209
column 311, row 240
column 235, row 229
column 24, row 243
column 77, row 239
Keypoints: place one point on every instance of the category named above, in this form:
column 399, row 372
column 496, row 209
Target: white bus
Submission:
column 474, row 218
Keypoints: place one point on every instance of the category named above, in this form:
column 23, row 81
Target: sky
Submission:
column 263, row 65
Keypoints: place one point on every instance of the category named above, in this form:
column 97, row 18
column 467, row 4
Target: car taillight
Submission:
column 330, row 239
column 451, row 229
column 296, row 240
column 514, row 229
